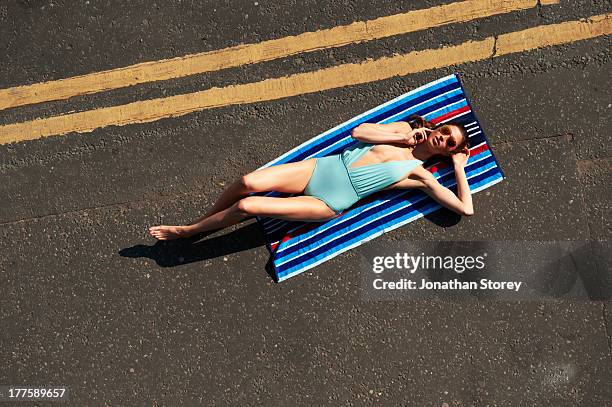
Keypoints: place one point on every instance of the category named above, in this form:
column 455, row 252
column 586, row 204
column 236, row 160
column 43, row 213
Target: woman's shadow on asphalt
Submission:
column 171, row 253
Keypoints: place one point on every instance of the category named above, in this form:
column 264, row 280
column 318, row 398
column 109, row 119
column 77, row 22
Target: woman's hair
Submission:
column 421, row 122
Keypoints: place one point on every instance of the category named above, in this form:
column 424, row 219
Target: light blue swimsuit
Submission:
column 339, row 186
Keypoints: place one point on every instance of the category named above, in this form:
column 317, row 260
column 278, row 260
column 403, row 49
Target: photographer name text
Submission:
column 482, row 284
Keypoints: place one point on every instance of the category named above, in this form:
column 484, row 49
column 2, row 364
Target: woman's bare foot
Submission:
column 169, row 232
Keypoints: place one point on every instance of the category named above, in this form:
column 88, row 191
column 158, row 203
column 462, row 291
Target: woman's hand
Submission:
column 416, row 136
column 460, row 159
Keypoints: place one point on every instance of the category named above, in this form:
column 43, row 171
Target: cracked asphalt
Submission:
column 89, row 300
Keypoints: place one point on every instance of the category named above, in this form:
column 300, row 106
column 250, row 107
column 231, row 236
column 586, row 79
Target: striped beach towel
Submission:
column 298, row 246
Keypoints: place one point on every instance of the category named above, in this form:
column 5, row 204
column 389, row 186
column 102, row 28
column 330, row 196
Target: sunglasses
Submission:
column 445, row 130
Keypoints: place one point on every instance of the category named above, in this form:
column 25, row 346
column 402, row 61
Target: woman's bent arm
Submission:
column 461, row 204
column 463, row 190
column 376, row 133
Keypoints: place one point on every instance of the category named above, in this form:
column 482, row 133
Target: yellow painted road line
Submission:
column 308, row 82
column 265, row 51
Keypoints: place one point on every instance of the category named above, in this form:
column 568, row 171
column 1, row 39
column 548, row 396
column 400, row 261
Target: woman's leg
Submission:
column 230, row 196
column 302, row 208
column 289, row 178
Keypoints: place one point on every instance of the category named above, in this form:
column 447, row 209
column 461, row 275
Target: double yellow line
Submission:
column 253, row 53
column 329, row 78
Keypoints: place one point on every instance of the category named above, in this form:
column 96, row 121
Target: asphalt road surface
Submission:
column 89, row 300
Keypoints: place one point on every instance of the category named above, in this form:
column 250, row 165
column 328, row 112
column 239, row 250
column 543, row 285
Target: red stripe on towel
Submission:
column 452, row 113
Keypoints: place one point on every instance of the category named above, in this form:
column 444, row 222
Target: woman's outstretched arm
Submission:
column 460, row 203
